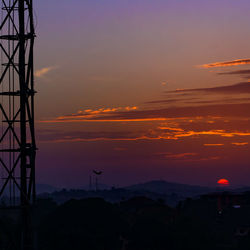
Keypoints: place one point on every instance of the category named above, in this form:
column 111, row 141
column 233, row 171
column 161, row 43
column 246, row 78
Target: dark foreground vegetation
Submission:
column 211, row 222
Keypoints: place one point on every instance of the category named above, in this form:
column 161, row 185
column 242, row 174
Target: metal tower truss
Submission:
column 17, row 135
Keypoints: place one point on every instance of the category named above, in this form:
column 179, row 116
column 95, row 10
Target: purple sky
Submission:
column 107, row 75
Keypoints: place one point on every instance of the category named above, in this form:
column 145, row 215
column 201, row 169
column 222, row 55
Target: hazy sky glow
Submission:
column 143, row 90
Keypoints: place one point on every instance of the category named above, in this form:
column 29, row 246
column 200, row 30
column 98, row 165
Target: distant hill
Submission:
column 44, row 188
column 101, row 186
column 168, row 188
column 169, row 192
column 242, row 189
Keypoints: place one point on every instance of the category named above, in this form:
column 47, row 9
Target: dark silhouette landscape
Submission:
column 156, row 215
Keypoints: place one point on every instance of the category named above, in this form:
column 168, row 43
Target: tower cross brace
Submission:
column 17, row 134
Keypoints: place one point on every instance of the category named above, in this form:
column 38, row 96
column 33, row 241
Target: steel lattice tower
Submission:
column 17, row 136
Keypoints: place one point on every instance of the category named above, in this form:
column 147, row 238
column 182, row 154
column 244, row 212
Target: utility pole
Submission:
column 17, row 135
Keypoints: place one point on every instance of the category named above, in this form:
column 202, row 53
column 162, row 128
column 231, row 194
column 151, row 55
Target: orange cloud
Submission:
column 131, row 108
column 108, row 139
column 100, row 111
column 178, row 156
column 90, row 114
column 175, row 129
column 240, row 143
column 44, row 71
column 226, row 63
column 171, row 129
column 208, row 145
column 221, row 133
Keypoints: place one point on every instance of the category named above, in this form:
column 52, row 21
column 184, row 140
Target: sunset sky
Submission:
column 143, row 90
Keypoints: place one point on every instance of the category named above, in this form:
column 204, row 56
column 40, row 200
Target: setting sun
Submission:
column 223, row 182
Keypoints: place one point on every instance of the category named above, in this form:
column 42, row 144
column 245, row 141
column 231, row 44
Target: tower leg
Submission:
column 17, row 136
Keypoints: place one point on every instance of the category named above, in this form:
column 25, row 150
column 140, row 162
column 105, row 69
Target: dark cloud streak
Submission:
column 171, row 100
column 236, row 72
column 238, row 88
